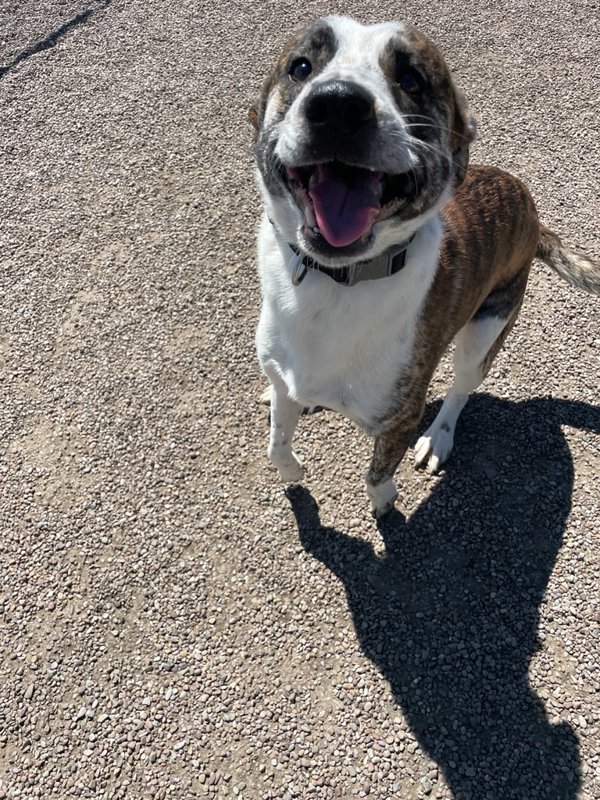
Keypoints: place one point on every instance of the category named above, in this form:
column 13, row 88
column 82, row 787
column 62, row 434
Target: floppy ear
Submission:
column 464, row 129
column 253, row 115
column 256, row 111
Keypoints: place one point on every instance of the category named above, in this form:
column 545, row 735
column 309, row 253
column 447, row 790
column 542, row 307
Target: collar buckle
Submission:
column 383, row 266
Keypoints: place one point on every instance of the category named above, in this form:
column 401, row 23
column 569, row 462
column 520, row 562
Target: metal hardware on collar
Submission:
column 382, row 266
column 299, row 270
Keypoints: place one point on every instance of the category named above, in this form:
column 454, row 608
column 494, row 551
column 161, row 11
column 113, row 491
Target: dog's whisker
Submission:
column 414, row 140
column 431, row 147
column 428, row 121
column 416, row 143
column 426, row 125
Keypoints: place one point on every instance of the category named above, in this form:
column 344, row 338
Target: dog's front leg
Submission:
column 285, row 414
column 388, row 452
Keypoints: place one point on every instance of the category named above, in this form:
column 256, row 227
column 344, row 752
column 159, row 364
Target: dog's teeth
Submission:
column 312, row 180
column 310, row 217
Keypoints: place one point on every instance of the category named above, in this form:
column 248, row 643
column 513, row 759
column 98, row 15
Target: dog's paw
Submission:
column 434, row 447
column 292, row 471
column 379, row 512
column 383, row 498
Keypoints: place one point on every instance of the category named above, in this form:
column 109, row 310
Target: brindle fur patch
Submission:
column 437, row 114
column 491, row 237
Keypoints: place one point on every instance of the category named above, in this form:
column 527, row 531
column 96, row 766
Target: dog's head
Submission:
column 360, row 135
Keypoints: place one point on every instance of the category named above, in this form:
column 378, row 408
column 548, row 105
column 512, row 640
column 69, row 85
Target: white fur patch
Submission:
column 342, row 347
column 382, row 497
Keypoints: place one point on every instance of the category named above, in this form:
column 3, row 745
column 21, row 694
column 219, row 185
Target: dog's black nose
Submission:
column 339, row 107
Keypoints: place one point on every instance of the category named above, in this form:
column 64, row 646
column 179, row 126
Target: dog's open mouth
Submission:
column 341, row 203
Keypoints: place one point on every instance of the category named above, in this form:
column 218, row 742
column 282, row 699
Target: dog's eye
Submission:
column 408, row 80
column 300, row 69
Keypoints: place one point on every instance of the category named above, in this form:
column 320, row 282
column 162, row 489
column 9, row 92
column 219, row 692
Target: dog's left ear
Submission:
column 463, row 133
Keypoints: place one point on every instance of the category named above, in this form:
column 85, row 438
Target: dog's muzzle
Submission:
column 338, row 176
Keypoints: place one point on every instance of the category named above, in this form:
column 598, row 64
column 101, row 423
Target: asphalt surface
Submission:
column 173, row 624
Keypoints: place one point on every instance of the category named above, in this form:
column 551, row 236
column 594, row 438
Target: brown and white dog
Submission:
column 379, row 245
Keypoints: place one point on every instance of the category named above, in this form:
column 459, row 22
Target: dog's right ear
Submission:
column 253, row 115
column 257, row 110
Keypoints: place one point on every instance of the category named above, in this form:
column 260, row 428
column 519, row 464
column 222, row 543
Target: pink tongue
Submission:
column 344, row 209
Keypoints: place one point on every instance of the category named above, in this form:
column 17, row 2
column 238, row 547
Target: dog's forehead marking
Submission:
column 355, row 50
column 361, row 45
column 344, row 48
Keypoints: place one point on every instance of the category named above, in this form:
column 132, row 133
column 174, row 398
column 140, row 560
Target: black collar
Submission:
column 382, row 266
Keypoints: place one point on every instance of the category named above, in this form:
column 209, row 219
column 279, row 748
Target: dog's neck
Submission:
column 384, row 265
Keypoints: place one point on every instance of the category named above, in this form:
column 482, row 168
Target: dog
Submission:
column 379, row 245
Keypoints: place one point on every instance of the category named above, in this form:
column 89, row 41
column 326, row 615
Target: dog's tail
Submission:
column 573, row 267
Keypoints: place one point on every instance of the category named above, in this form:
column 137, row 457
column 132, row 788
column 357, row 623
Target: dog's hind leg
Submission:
column 285, row 414
column 477, row 344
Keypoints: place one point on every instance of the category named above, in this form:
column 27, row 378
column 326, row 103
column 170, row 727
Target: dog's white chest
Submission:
column 334, row 354
column 342, row 347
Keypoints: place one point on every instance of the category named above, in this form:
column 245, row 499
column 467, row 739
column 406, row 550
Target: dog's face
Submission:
column 360, row 134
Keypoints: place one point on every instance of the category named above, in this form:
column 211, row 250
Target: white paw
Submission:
column 434, row 447
column 291, row 470
column 382, row 497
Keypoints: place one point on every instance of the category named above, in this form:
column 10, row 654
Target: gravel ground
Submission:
column 173, row 624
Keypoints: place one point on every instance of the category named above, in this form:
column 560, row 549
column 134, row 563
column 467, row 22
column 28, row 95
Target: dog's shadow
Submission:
column 449, row 613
